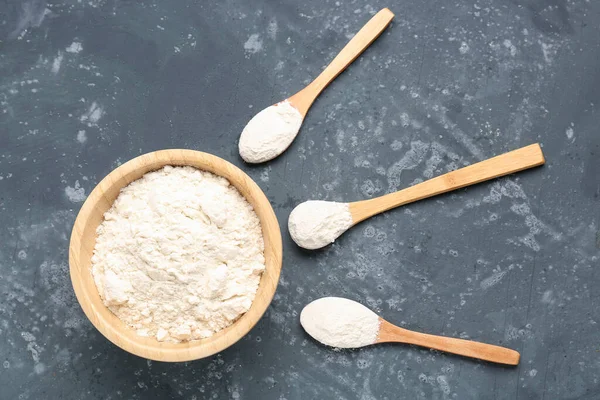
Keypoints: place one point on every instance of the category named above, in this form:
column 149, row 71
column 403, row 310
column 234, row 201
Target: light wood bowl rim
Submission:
column 82, row 244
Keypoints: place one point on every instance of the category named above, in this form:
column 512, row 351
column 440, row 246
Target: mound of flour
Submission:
column 179, row 255
column 316, row 223
column 340, row 322
column 270, row 132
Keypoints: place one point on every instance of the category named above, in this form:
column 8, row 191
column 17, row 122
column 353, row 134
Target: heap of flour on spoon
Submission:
column 340, row 322
column 316, row 223
column 270, row 132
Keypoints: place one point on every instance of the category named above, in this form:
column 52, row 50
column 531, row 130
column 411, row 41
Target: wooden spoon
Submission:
column 391, row 333
column 315, row 224
column 270, row 132
column 344, row 323
column 359, row 43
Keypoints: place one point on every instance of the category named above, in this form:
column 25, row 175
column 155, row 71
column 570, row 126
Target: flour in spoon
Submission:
column 340, row 322
column 270, row 132
column 179, row 255
column 316, row 223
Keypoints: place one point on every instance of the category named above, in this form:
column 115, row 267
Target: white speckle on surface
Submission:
column 93, row 115
column 56, row 63
column 410, row 160
column 547, row 51
column 81, row 136
column 253, row 44
column 511, row 47
column 35, row 351
column 22, row 255
column 76, row 194
column 547, row 297
column 492, row 280
column 570, row 132
column 396, row 145
column 404, row 120
column 533, row 373
column 442, row 381
column 74, row 47
column 464, row 48
column 264, row 175
column 272, row 28
column 39, row 368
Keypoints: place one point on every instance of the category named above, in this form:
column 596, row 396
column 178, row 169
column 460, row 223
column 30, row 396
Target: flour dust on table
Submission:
column 179, row 255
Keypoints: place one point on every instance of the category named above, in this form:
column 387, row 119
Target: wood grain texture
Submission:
column 83, row 239
column 504, row 164
column 359, row 43
column 391, row 333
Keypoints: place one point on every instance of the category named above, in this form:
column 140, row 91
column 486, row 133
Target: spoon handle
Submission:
column 391, row 333
column 367, row 35
column 504, row 164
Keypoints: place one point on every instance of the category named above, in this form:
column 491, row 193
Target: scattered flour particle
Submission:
column 253, row 44
column 547, row 297
column 533, row 373
column 492, row 280
column 569, row 132
column 22, row 255
column 74, row 47
column 93, row 115
column 511, row 47
column 547, row 51
column 272, row 29
column 76, row 194
column 464, row 48
column 81, row 136
column 56, row 63
column 396, row 145
column 39, row 368
column 264, row 176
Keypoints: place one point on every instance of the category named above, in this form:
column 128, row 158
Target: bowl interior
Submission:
column 83, row 239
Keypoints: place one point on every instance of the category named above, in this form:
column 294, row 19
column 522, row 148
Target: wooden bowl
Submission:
column 83, row 240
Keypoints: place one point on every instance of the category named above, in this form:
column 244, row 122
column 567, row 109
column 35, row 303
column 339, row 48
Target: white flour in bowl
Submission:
column 179, row 255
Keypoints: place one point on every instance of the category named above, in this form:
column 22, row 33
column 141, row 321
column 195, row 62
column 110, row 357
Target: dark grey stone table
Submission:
column 86, row 85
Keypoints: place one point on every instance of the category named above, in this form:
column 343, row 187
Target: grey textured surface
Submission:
column 511, row 262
